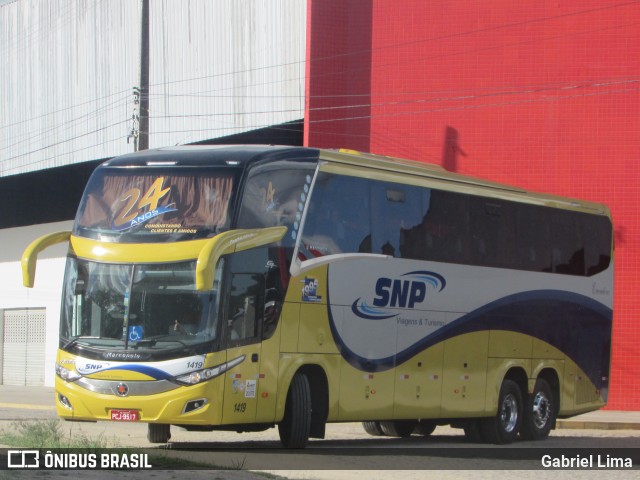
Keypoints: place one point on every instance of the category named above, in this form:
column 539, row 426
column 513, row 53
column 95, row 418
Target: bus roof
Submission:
column 242, row 156
column 436, row 172
column 209, row 155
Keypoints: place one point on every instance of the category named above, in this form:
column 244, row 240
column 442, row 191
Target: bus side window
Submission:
column 395, row 210
column 493, row 233
column 339, row 218
column 568, row 246
column 533, row 250
column 597, row 241
column 442, row 234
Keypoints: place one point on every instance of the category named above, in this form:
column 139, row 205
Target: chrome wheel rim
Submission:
column 541, row 410
column 509, row 413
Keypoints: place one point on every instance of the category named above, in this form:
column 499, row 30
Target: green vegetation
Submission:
column 55, row 434
column 50, row 434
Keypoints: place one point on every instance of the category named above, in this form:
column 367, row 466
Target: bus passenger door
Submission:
column 243, row 327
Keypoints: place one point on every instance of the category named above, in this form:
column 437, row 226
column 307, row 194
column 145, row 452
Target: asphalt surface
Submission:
column 228, row 455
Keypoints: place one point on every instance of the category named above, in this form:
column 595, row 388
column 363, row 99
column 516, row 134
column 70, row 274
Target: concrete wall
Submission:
column 48, row 286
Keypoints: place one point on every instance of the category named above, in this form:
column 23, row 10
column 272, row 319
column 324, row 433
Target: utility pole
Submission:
column 143, row 136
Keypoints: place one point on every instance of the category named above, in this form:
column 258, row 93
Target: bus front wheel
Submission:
column 425, row 427
column 472, row 430
column 295, row 428
column 158, row 433
column 504, row 427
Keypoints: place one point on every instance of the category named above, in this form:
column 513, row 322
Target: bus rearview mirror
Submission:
column 230, row 242
column 30, row 255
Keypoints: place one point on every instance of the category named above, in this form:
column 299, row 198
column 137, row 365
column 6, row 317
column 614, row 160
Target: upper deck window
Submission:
column 275, row 195
column 361, row 215
column 154, row 205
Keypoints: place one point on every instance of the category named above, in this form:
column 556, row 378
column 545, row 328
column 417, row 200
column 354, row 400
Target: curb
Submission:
column 594, row 425
column 27, row 407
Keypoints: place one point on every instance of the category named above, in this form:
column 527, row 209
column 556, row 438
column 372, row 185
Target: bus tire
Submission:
column 539, row 413
column 504, row 427
column 295, row 427
column 398, row 428
column 473, row 432
column 158, row 433
column 425, row 427
column 373, row 428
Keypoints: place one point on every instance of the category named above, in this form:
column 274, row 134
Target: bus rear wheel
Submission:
column 505, row 426
column 295, row 427
column 373, row 428
column 539, row 414
column 158, row 433
column 398, row 428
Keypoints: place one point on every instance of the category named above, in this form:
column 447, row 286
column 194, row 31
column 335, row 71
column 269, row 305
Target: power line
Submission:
column 401, row 44
column 28, row 136
column 61, row 142
column 634, row 82
column 369, row 51
column 36, row 162
column 70, row 107
column 62, row 17
column 343, row 107
column 419, row 112
column 467, row 51
column 357, row 70
column 459, row 97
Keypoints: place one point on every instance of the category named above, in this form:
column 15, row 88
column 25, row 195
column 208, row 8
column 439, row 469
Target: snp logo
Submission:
column 23, row 459
column 405, row 292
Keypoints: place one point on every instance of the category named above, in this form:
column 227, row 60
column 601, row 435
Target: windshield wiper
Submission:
column 74, row 340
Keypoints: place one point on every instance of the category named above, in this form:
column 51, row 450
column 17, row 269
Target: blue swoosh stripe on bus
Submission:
column 436, row 280
column 152, row 372
column 370, row 313
column 533, row 313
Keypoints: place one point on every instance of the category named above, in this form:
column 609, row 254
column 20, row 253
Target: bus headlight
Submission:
column 199, row 376
column 66, row 375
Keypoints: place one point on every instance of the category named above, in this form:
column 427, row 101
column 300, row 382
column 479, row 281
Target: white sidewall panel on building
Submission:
column 69, row 68
column 224, row 67
column 42, row 301
column 14, row 343
column 24, row 340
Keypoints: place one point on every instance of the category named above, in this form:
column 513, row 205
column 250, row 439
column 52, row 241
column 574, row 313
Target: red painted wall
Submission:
column 536, row 93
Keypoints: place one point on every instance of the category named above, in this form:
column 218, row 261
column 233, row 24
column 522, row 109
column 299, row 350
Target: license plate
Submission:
column 120, row 415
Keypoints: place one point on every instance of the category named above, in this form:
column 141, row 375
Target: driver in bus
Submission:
column 186, row 327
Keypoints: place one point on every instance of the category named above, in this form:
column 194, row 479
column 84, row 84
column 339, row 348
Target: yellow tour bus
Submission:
column 247, row 287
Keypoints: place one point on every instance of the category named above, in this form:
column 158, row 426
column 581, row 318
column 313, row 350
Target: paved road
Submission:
column 348, row 450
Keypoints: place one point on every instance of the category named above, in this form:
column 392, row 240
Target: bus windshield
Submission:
column 151, row 306
column 155, row 205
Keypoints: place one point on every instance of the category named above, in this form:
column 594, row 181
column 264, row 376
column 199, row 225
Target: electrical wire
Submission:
column 32, row 137
column 395, row 45
column 317, row 109
column 3, row 171
column 61, row 142
column 635, row 83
